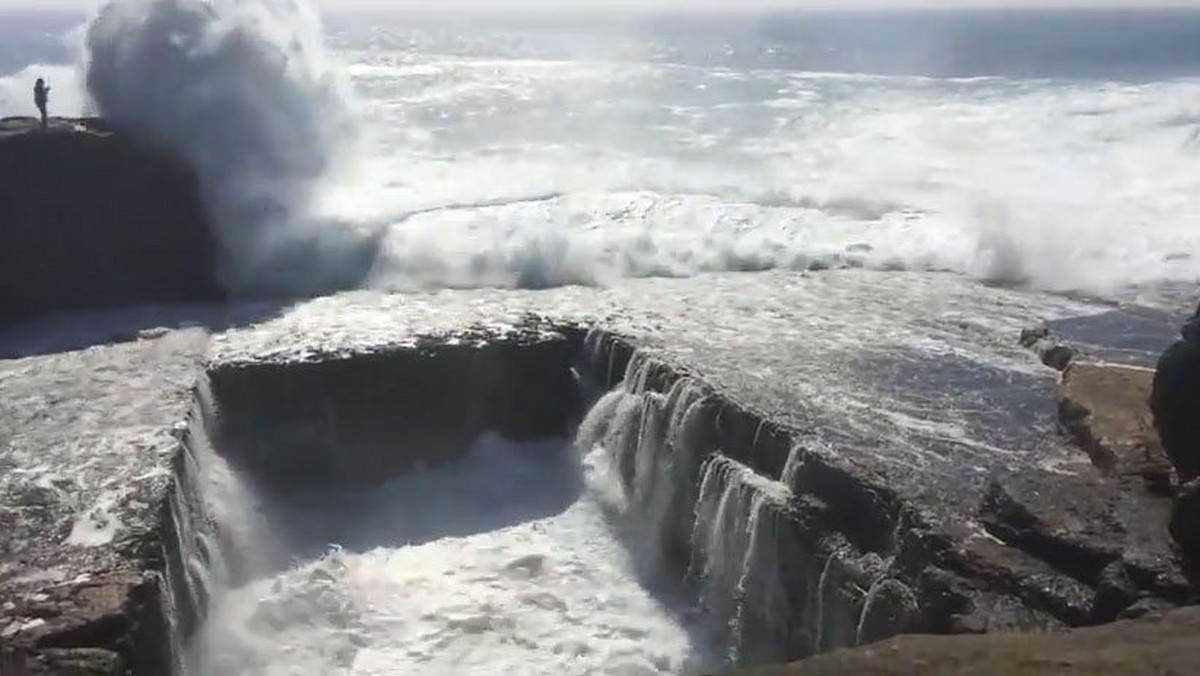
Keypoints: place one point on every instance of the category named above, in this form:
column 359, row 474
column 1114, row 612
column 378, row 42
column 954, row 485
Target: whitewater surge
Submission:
column 246, row 94
column 413, row 153
column 501, row 562
column 661, row 169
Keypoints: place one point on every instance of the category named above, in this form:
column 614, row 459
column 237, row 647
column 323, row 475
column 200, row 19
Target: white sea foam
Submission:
column 1084, row 186
column 499, row 563
column 472, row 158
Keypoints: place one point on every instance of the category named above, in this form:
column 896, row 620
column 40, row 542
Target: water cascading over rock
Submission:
column 725, row 531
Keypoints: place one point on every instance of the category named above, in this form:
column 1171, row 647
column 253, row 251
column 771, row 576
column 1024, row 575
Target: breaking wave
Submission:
column 420, row 157
column 245, row 93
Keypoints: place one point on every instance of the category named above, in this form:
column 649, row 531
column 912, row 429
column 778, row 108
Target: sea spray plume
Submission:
column 243, row 92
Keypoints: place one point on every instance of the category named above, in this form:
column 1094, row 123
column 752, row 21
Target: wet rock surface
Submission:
column 918, row 474
column 127, row 223
column 86, row 442
column 1175, row 402
column 367, row 417
column 1185, row 528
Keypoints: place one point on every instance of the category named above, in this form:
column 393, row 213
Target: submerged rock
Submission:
column 1050, row 350
column 90, row 220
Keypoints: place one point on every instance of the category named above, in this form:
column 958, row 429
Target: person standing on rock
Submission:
column 41, row 96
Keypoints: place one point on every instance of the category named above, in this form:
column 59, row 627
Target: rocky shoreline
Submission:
column 866, row 548
column 842, row 455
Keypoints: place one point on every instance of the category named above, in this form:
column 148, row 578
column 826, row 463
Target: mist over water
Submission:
column 245, row 93
column 1057, row 150
column 502, row 562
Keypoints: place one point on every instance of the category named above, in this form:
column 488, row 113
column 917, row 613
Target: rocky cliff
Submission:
column 89, row 219
column 835, row 458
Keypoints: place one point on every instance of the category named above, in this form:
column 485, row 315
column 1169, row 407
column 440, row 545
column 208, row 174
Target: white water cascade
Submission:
column 503, row 561
column 644, row 548
column 679, row 489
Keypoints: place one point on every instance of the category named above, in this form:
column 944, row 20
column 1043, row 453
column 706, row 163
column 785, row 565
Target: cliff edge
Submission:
column 89, row 219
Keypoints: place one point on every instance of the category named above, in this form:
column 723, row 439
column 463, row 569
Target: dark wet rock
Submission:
column 1115, row 592
column 1158, row 645
column 365, row 418
column 1058, row 357
column 1009, row 588
column 1031, row 336
column 92, row 220
column 1094, row 532
column 950, row 603
column 1053, row 353
column 866, row 512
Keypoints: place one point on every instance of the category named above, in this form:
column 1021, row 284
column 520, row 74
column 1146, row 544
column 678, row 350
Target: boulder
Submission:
column 1050, row 350
column 89, row 219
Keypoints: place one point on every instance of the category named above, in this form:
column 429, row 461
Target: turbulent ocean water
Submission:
column 1058, row 150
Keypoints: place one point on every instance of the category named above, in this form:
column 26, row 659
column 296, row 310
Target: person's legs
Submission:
column 42, row 109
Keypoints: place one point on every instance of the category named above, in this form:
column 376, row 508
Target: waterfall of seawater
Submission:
column 679, row 489
column 735, row 554
column 506, row 560
column 215, row 519
column 527, row 558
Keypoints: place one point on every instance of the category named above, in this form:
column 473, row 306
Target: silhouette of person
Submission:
column 41, row 96
column 1175, row 400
